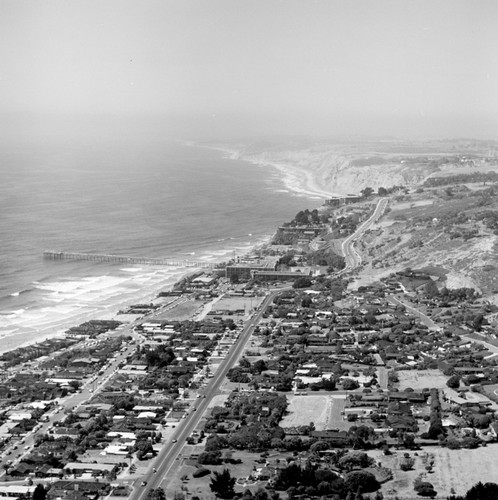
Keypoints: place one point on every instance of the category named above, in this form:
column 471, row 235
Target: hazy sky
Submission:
column 291, row 66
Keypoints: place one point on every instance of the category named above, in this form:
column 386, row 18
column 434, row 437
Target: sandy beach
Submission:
column 298, row 180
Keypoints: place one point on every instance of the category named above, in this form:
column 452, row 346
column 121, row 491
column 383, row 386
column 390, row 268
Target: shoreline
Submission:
column 297, row 181
column 108, row 308
column 292, row 176
column 114, row 315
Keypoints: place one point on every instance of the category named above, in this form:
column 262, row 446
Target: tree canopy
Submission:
column 222, row 484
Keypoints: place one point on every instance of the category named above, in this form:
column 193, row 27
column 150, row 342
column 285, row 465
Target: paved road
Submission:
column 353, row 258
column 424, row 319
column 18, row 449
column 170, row 452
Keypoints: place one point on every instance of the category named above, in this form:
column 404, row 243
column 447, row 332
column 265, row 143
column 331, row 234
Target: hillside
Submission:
column 349, row 166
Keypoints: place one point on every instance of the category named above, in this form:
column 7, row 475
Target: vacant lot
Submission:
column 411, row 204
column 457, row 469
column 305, row 409
column 439, row 210
column 420, row 379
column 236, row 303
column 491, row 391
column 182, row 312
column 323, row 410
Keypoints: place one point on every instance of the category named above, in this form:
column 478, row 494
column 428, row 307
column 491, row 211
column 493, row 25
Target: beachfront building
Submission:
column 290, row 275
column 337, row 201
column 243, row 269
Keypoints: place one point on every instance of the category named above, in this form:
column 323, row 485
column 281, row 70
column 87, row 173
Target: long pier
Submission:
column 120, row 259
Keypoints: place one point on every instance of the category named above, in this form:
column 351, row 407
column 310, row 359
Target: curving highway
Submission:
column 353, row 258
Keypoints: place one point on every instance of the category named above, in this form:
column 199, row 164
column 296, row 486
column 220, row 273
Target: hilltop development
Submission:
column 354, row 356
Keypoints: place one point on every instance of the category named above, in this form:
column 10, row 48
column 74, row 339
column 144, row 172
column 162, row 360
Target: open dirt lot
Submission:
column 236, row 303
column 420, row 379
column 323, row 410
column 305, row 409
column 182, row 312
column 457, row 469
column 411, row 204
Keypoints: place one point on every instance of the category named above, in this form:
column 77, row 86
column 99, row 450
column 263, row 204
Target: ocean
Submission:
column 159, row 199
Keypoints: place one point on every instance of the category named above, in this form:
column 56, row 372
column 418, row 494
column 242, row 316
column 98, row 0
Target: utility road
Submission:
column 170, row 451
column 353, row 258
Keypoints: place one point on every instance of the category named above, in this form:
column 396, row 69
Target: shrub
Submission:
column 201, row 472
column 210, row 458
column 424, row 489
column 407, row 463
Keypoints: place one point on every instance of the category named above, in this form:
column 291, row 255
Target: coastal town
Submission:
column 352, row 357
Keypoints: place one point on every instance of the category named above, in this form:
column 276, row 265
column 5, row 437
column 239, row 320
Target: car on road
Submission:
column 174, row 440
column 143, row 483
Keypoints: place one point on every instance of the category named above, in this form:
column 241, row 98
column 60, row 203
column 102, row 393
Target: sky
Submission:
column 228, row 67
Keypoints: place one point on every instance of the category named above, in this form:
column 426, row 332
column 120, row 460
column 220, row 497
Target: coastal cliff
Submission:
column 348, row 167
column 342, row 174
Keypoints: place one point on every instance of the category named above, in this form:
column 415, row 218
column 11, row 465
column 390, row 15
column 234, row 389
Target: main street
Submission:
column 170, row 451
column 353, row 258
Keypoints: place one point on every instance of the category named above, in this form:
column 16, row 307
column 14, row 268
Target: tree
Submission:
column 480, row 491
column 156, row 494
column 453, row 382
column 302, row 282
column 210, row 458
column 348, row 384
column 366, row 192
column 222, row 484
column 431, row 289
column 75, row 384
column 362, row 480
column 261, row 494
column 39, row 493
column 424, row 489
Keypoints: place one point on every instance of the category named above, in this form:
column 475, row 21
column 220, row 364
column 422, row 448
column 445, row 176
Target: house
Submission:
column 67, row 432
column 22, row 470
column 81, row 468
column 333, row 437
column 16, row 490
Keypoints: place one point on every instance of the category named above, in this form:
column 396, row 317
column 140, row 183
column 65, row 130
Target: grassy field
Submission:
column 420, row 379
column 183, row 482
column 453, row 469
